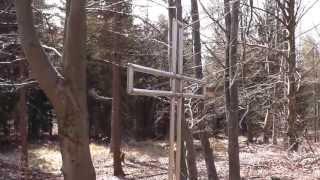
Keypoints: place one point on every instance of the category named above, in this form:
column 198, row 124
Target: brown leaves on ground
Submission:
column 148, row 160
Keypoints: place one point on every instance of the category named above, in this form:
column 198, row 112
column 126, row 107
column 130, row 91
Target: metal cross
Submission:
column 176, row 94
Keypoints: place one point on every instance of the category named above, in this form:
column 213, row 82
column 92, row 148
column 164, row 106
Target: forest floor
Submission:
column 148, row 160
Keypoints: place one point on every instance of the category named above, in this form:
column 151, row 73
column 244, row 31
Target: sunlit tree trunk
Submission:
column 67, row 93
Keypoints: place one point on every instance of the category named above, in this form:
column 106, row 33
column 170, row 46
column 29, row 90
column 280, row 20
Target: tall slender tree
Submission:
column 231, row 85
column 196, row 43
column 289, row 21
column 116, row 98
column 119, row 22
column 23, row 123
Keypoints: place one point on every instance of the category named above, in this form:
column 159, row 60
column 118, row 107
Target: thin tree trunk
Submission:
column 233, row 129
column 315, row 95
column 227, row 20
column 196, row 39
column 116, row 97
column 208, row 153
column 274, row 130
column 23, row 127
column 275, row 106
column 116, row 121
column 266, row 127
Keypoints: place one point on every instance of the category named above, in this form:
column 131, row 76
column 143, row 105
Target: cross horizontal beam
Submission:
column 157, row 72
column 156, row 93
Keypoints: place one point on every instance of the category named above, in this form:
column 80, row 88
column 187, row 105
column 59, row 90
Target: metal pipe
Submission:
column 157, row 72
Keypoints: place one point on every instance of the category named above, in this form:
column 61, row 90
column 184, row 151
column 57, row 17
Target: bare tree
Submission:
column 67, row 93
column 208, row 153
column 289, row 21
column 116, row 96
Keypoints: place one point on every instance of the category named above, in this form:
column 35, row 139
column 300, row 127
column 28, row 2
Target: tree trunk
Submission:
column 208, row 153
column 23, row 127
column 274, row 130
column 292, row 116
column 116, row 121
column 196, row 39
column 227, row 19
column 23, row 122
column 233, row 129
column 190, row 152
column 266, row 127
column 68, row 94
column 208, row 157
column 116, row 97
column 289, row 15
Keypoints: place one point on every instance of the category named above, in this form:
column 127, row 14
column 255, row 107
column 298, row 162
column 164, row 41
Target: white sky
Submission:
column 311, row 18
column 154, row 8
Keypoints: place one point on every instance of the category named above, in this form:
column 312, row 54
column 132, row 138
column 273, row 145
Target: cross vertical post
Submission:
column 173, row 110
column 176, row 94
column 180, row 111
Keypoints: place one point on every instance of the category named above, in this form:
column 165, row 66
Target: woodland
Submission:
column 67, row 110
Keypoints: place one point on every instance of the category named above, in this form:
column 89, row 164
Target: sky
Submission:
column 155, row 8
column 309, row 20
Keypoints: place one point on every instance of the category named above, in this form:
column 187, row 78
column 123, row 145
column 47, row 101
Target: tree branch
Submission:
column 41, row 69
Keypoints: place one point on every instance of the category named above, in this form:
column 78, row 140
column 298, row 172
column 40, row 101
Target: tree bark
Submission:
column 289, row 15
column 233, row 117
column 227, row 19
column 292, row 116
column 208, row 157
column 68, row 94
column 116, row 121
column 274, row 130
column 23, row 127
column 116, row 96
column 266, row 127
column 23, row 122
column 190, row 152
column 196, row 42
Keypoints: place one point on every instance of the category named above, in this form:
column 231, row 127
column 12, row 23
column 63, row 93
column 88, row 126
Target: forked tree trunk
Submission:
column 68, row 94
